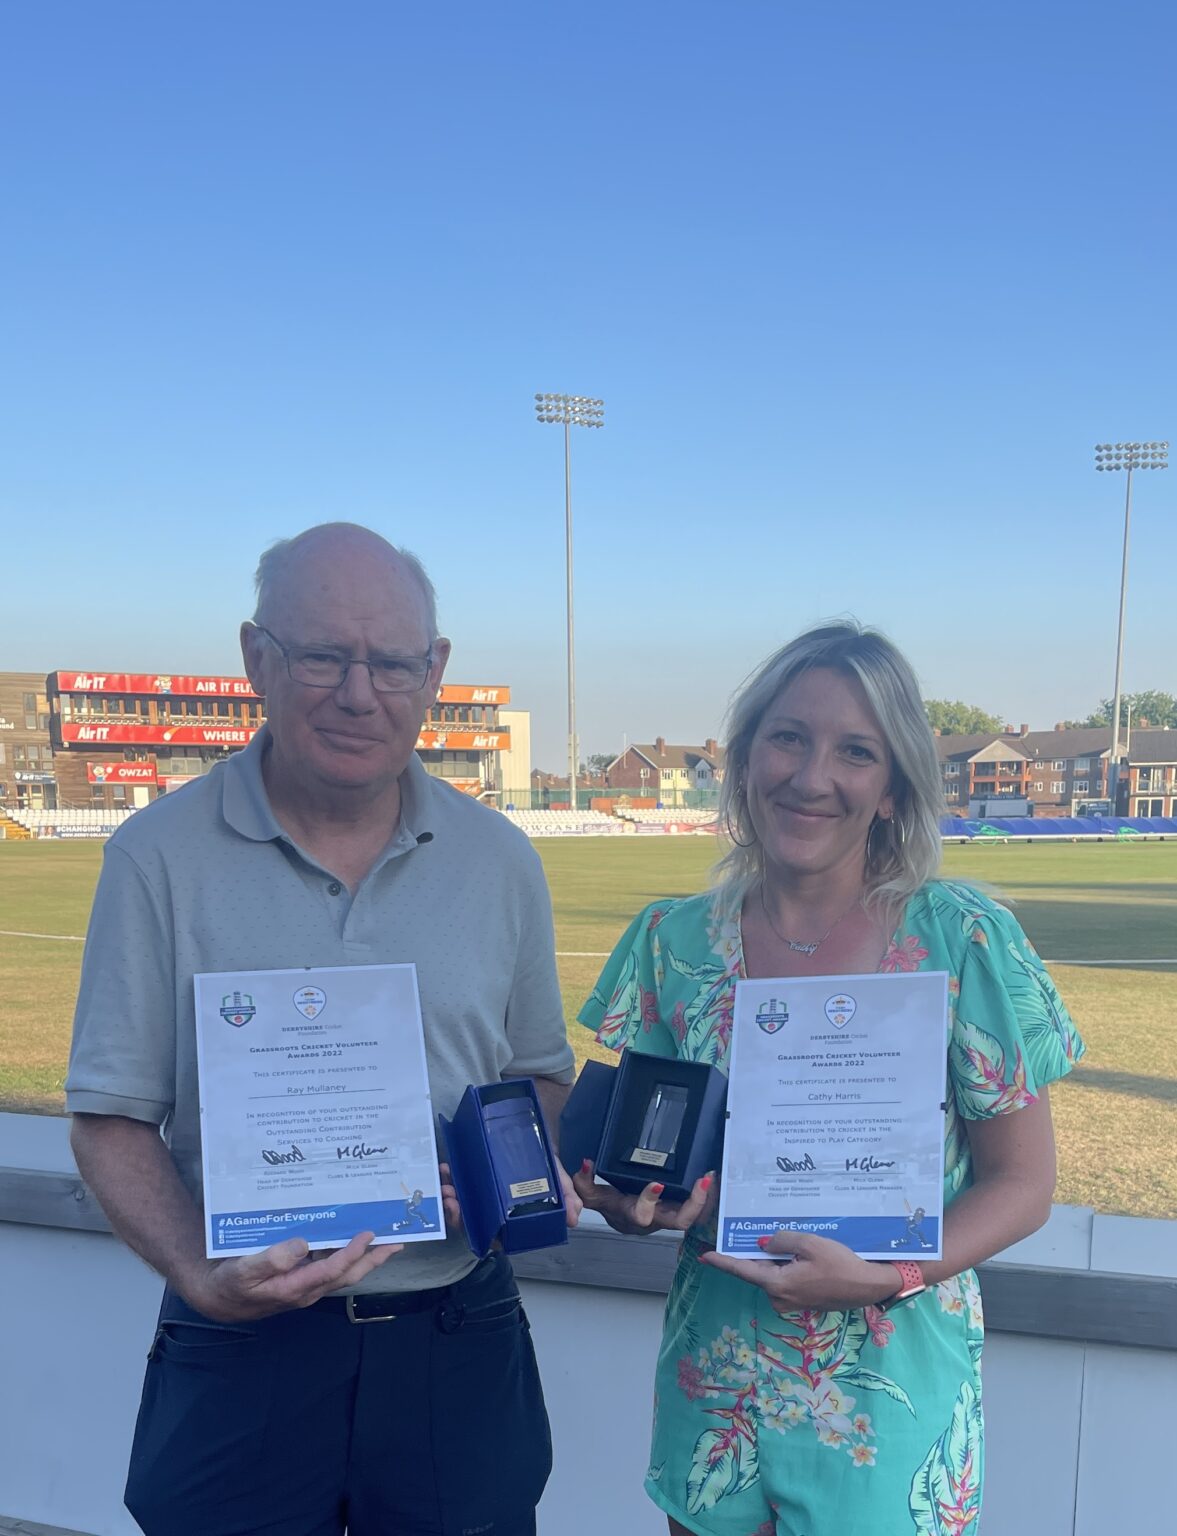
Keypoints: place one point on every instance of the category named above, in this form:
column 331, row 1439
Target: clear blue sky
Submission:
column 860, row 285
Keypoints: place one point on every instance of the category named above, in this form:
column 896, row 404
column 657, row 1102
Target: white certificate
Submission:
column 836, row 1113
column 315, row 1117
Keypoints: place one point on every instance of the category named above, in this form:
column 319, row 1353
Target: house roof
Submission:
column 962, row 748
column 1147, row 746
column 1153, row 747
column 673, row 756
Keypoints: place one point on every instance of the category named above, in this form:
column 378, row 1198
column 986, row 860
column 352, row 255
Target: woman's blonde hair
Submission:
column 902, row 853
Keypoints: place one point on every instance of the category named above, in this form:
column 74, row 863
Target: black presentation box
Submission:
column 649, row 1120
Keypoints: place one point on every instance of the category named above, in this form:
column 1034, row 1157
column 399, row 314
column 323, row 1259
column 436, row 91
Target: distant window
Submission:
column 952, row 770
column 1058, row 787
column 1079, row 787
column 1059, row 765
column 1082, row 765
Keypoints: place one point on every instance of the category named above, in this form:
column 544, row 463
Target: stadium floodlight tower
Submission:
column 1125, row 456
column 571, row 411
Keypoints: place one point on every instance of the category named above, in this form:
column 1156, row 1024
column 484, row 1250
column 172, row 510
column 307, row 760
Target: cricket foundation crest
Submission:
column 237, row 1008
column 772, row 1016
column 310, row 1001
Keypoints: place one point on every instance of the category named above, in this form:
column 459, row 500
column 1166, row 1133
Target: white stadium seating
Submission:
column 86, row 821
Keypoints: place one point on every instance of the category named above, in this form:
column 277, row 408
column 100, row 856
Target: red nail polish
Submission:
column 657, row 1188
column 763, row 1242
column 586, row 1166
column 705, row 1182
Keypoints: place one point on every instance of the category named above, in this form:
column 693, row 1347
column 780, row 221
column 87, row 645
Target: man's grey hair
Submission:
column 902, row 853
column 273, row 563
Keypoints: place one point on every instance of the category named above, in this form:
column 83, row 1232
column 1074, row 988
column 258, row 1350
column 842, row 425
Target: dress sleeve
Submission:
column 1011, row 1033
column 624, row 1009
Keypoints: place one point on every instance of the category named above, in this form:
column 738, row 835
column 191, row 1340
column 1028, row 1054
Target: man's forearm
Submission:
column 552, row 1098
column 131, row 1173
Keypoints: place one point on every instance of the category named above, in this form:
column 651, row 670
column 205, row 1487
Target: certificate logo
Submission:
column 237, row 1008
column 772, row 1016
column 310, row 1001
column 840, row 1009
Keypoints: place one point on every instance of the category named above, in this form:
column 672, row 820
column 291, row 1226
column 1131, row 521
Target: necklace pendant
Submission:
column 801, row 949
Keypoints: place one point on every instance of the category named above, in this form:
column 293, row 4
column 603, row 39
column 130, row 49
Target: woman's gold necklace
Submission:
column 815, row 944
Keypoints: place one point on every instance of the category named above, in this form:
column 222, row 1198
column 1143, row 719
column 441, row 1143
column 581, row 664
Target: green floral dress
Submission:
column 831, row 1423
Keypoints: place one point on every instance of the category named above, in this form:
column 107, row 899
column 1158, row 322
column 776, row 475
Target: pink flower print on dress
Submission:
column 649, row 1002
column 905, row 956
column 690, row 1379
column 880, row 1325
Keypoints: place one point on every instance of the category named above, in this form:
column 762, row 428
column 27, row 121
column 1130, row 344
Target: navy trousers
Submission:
column 310, row 1424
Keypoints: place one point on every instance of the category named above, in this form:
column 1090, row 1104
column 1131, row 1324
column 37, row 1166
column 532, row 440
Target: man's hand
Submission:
column 824, row 1276
column 637, row 1215
column 284, row 1277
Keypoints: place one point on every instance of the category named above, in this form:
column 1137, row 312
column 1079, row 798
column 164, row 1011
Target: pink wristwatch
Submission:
column 913, row 1282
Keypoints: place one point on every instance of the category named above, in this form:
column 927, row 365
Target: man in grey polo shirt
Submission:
column 266, row 1409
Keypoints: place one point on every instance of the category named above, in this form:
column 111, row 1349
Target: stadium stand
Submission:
column 86, row 821
column 661, row 818
column 565, row 823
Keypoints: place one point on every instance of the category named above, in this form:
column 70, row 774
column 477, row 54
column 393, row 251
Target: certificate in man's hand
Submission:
column 315, row 1116
column 836, row 1113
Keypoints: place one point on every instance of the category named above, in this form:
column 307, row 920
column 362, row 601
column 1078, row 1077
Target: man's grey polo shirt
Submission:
column 205, row 879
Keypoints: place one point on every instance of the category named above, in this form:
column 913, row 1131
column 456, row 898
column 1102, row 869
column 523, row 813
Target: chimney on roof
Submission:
column 660, row 745
column 711, row 747
column 936, row 731
column 1059, row 725
column 1009, row 731
column 1025, row 730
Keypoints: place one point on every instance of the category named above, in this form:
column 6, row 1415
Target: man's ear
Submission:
column 441, row 655
column 252, row 645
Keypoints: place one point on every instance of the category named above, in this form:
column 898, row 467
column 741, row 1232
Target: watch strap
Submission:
column 912, row 1283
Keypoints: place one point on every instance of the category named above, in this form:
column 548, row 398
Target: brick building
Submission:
column 668, row 772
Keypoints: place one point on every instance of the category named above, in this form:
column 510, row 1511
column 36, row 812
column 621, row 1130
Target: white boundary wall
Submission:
column 1079, row 1433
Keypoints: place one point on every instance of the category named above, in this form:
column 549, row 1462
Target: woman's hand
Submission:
column 824, row 1276
column 636, row 1215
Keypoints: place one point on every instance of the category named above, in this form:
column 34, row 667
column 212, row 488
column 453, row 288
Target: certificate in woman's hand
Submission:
column 836, row 1113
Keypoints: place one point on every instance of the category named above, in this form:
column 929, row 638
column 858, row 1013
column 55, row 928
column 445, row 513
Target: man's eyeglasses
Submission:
column 315, row 667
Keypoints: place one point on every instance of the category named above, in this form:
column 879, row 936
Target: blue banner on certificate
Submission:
column 315, row 1117
column 836, row 1094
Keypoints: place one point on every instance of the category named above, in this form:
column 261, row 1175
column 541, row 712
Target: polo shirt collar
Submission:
column 246, row 806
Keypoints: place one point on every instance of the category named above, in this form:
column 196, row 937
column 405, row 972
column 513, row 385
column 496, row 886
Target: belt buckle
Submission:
column 384, row 1317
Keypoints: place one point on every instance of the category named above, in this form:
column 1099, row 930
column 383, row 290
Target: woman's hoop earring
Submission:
column 728, row 819
column 898, row 832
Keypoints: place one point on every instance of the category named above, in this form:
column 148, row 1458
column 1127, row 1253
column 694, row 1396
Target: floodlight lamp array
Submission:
column 571, row 410
column 1113, row 456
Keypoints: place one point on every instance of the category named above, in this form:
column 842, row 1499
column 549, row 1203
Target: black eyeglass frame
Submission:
column 346, row 663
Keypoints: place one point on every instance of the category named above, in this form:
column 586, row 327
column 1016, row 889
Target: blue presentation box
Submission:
column 647, row 1120
column 504, row 1169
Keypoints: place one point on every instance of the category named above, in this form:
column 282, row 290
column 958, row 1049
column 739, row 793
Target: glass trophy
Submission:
column 661, row 1126
column 519, row 1157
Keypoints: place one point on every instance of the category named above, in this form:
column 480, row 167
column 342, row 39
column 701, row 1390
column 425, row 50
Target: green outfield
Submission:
column 1116, row 1116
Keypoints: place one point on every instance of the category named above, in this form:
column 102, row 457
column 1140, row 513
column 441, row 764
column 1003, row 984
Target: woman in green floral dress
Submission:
column 801, row 1399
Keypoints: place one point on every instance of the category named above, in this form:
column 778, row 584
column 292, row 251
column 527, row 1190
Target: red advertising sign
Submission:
column 136, row 733
column 154, row 683
column 121, row 773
